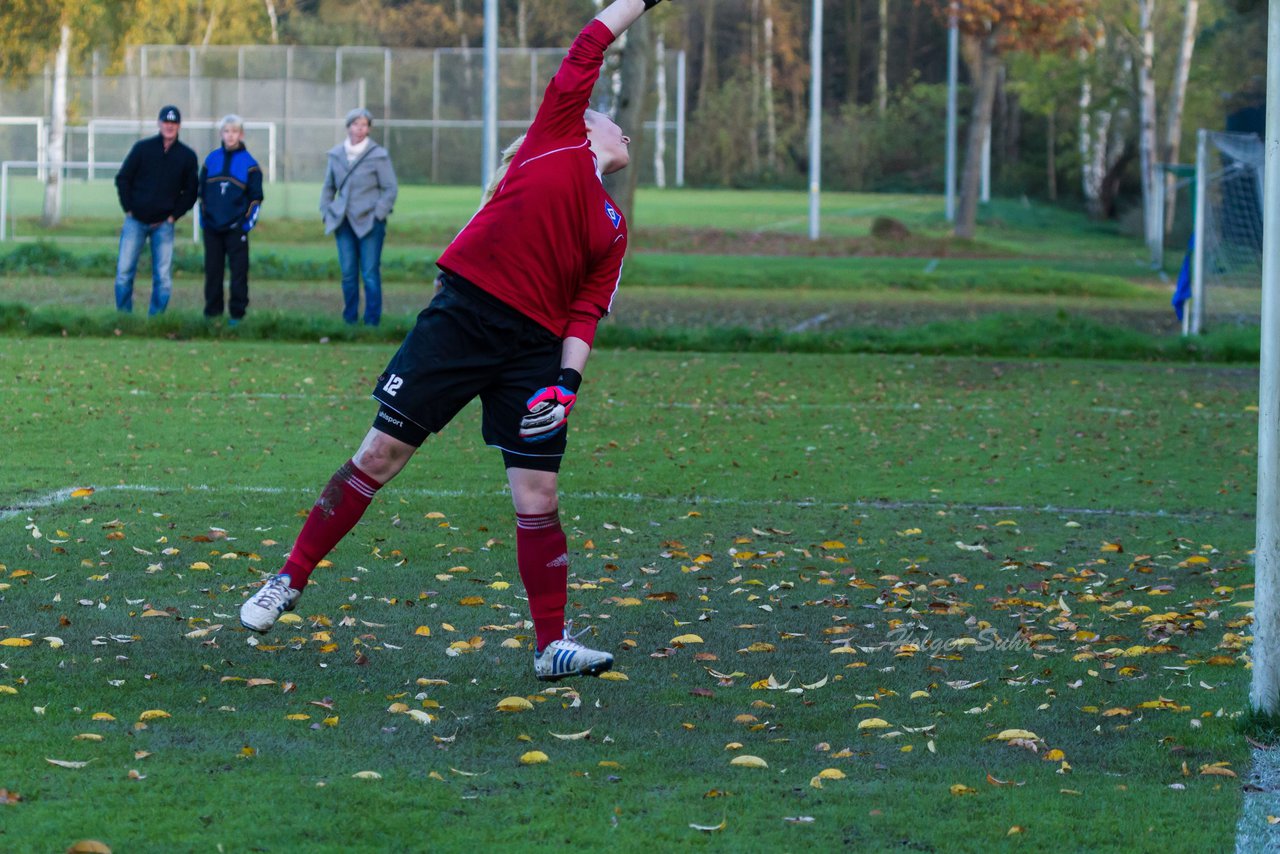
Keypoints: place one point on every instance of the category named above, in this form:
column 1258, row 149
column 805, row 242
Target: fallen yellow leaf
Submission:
column 1216, row 771
column 534, row 757
column 153, row 715
column 514, row 704
column 746, row 760
column 89, row 846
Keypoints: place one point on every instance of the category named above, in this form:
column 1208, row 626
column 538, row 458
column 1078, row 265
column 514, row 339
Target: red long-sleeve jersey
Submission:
column 550, row 242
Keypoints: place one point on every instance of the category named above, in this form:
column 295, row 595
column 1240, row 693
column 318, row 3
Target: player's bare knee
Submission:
column 382, row 456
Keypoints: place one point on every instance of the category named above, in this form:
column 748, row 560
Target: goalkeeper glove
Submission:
column 549, row 407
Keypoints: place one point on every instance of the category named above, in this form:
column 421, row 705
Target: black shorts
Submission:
column 468, row 344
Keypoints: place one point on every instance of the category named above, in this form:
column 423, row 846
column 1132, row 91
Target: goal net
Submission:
column 1227, row 255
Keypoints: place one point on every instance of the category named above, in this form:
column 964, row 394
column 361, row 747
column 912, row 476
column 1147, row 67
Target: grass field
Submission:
column 946, row 605
column 859, row 596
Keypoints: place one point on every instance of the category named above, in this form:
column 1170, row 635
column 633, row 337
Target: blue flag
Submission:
column 1182, row 291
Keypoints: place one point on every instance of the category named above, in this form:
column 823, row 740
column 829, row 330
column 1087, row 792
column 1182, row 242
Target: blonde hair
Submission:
column 231, row 120
column 508, row 154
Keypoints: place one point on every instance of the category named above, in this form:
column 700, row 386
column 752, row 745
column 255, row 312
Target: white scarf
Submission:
column 354, row 151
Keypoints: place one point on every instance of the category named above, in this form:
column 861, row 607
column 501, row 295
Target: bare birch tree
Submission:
column 58, row 127
column 770, row 114
column 634, row 75
column 1177, row 100
column 660, row 113
column 882, row 61
column 1153, row 219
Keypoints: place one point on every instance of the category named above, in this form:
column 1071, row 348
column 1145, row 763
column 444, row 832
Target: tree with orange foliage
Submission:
column 990, row 30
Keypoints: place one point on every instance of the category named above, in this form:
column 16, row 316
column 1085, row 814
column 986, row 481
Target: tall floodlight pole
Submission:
column 1264, row 694
column 489, row 146
column 953, row 79
column 815, row 119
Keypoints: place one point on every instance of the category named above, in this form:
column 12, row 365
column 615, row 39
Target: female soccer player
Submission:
column 523, row 286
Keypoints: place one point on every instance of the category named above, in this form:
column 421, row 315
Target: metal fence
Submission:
column 426, row 103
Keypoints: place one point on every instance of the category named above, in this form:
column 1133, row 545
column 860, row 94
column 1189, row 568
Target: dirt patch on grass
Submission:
column 638, row 309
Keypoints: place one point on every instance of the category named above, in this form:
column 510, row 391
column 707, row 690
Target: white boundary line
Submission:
column 853, row 405
column 62, row 495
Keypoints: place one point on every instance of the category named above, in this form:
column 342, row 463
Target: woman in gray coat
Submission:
column 359, row 193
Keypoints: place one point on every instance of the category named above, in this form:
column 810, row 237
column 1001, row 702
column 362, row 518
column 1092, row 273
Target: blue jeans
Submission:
column 361, row 258
column 132, row 237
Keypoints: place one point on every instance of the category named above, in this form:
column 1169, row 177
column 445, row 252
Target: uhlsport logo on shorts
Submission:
column 614, row 216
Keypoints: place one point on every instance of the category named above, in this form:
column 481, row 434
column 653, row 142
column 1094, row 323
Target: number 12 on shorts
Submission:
column 392, row 385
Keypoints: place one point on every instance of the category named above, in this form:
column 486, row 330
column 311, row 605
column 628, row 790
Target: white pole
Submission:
column 4, row 196
column 1197, row 254
column 953, row 76
column 42, row 148
column 271, row 153
column 338, row 109
column 1264, row 695
column 815, row 119
column 986, row 166
column 386, row 83
column 682, row 80
column 489, row 147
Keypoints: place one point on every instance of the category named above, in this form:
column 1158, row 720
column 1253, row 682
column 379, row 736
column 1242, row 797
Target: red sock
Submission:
column 544, row 569
column 345, row 498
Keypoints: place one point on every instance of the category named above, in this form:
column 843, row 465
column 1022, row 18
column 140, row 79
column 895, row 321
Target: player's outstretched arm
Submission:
column 620, row 14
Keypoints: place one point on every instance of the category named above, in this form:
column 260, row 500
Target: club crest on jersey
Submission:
column 614, row 216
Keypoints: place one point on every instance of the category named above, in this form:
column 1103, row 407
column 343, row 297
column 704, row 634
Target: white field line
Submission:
column 60, row 496
column 916, row 406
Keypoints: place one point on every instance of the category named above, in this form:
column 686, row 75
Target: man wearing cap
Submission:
column 157, row 184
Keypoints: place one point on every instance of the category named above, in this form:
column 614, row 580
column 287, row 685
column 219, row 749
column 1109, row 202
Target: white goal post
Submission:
column 1227, row 230
column 42, row 139
column 41, row 167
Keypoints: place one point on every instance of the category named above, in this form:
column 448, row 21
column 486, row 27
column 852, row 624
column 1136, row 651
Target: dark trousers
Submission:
column 221, row 248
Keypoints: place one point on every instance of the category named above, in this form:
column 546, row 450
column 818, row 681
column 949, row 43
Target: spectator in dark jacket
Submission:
column 157, row 185
column 230, row 198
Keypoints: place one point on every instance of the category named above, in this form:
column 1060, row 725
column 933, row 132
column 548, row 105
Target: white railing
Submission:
column 94, row 127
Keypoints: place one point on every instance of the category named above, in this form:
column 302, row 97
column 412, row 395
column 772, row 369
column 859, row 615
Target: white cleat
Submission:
column 260, row 612
column 566, row 657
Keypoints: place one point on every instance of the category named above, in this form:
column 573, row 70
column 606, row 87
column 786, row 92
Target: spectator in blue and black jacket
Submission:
column 230, row 197
column 156, row 185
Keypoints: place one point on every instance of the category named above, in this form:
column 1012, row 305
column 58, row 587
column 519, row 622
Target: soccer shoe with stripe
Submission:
column 566, row 657
column 261, row 610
